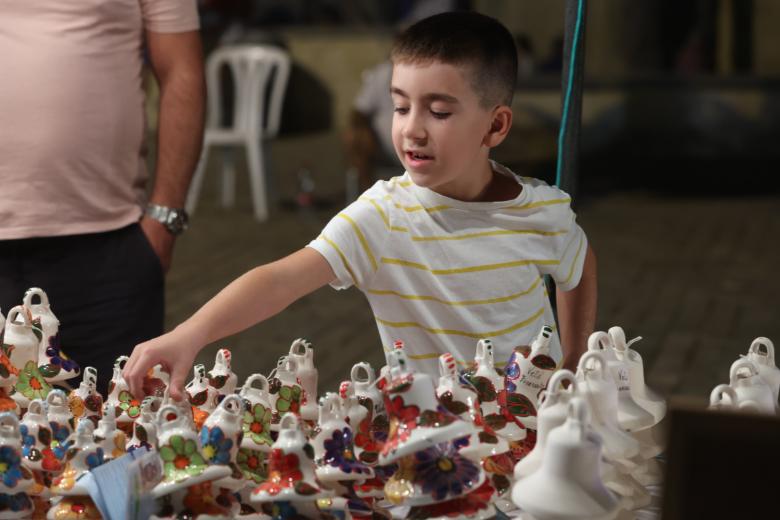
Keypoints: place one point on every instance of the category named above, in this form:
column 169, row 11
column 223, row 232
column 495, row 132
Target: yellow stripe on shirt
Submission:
column 488, row 301
column 455, row 332
column 343, row 259
column 471, row 269
column 383, row 216
column 499, row 232
column 363, row 241
column 538, row 204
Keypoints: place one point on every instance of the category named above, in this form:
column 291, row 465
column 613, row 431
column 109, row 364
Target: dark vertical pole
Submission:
column 569, row 155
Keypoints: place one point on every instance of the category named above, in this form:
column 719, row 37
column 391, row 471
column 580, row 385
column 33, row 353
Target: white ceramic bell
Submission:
column 599, row 391
column 750, row 386
column 84, row 455
column 568, row 485
column 631, row 416
column 37, row 452
column 111, row 439
column 201, row 394
column 417, row 419
column 303, row 353
column 145, row 427
column 354, row 413
column 256, row 423
column 85, row 401
column 285, row 392
column 52, row 362
column 21, row 345
column 489, row 385
column 528, row 371
column 762, row 354
column 334, row 452
column 553, row 411
column 222, row 377
column 645, row 396
column 15, row 477
column 374, row 428
column 220, row 438
column 723, row 397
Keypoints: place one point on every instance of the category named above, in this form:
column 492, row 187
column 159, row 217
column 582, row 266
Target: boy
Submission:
column 452, row 251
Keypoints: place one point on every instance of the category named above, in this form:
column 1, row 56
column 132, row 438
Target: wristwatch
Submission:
column 176, row 221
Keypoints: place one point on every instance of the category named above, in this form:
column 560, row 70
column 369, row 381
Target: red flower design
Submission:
column 50, row 460
column 284, row 472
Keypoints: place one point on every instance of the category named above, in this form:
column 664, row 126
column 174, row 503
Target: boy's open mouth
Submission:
column 417, row 156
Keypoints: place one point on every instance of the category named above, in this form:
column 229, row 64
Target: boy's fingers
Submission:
column 178, row 375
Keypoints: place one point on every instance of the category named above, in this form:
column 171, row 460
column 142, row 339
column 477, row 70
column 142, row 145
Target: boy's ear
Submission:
column 499, row 126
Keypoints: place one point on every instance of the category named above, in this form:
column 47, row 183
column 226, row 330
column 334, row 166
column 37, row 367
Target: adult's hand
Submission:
column 160, row 239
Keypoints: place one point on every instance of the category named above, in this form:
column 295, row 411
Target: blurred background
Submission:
column 677, row 187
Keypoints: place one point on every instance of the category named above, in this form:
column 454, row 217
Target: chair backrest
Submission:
column 252, row 67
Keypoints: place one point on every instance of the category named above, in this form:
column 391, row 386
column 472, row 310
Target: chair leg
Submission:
column 197, row 181
column 228, row 177
column 254, row 150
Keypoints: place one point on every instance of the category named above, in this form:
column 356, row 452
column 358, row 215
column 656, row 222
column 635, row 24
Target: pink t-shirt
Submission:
column 72, row 111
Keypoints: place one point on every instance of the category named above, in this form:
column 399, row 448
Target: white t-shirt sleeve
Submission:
column 352, row 243
column 567, row 244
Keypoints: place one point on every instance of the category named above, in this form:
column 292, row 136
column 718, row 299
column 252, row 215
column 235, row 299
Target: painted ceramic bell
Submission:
column 220, row 438
column 222, row 377
column 201, row 395
column 37, row 452
column 52, row 362
column 85, row 401
column 568, row 484
column 112, row 440
column 183, row 462
column 302, row 353
column 354, row 412
column 417, row 419
column 285, row 392
column 374, row 428
column 645, row 396
column 476, row 505
column 156, row 382
column 127, row 407
column 60, row 422
column 14, row 478
column 527, row 373
column 762, row 354
column 202, row 501
column 598, row 390
column 83, row 456
column 462, row 400
column 74, row 507
column 631, row 416
column 19, row 341
column 749, row 386
column 256, row 423
column 291, row 470
column 497, row 410
column 145, row 427
column 553, row 411
column 334, row 452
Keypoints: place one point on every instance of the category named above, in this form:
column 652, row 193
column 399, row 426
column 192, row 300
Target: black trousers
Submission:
column 107, row 289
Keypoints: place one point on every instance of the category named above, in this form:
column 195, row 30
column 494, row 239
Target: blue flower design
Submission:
column 443, row 472
column 15, row 503
column 216, row 447
column 95, row 459
column 28, row 441
column 59, row 432
column 339, row 452
column 10, row 466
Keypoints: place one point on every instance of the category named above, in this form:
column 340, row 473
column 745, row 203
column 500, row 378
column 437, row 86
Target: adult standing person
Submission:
column 75, row 218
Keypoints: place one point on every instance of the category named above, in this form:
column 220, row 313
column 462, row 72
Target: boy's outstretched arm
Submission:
column 253, row 297
column 577, row 313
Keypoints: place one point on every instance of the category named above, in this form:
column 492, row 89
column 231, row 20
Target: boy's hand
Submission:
column 175, row 351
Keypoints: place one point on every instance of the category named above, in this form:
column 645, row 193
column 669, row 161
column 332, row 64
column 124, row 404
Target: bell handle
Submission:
column 768, row 346
column 120, row 362
column 589, row 357
column 555, row 384
column 599, row 341
column 299, row 347
column 14, row 313
column 447, row 366
column 232, row 404
column 484, row 354
column 90, row 376
column 57, row 398
column 739, row 365
column 168, row 413
column 249, row 384
column 223, row 358
column 33, row 292
column 289, row 421
column 367, row 372
column 716, row 396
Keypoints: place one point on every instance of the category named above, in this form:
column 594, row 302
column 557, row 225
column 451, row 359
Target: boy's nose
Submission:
column 413, row 129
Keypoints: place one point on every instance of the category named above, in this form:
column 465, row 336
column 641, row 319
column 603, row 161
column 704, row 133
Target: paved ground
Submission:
column 694, row 276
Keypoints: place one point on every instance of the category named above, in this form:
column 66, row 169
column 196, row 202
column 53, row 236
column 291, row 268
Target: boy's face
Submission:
column 439, row 128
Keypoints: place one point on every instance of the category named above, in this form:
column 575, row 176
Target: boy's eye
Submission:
column 401, row 110
column 440, row 115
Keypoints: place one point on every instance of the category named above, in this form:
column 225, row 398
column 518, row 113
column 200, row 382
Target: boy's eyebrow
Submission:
column 433, row 96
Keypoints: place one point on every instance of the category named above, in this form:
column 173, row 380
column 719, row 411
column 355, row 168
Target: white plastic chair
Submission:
column 253, row 120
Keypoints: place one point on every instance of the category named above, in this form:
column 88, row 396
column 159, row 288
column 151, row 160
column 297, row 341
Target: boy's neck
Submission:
column 489, row 186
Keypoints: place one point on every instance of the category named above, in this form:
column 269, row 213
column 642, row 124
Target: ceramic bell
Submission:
column 372, row 430
column 14, row 478
column 553, row 411
column 220, row 438
column 222, row 377
column 500, row 416
column 744, row 378
column 762, row 354
column 85, row 401
column 8, row 376
column 83, row 456
column 183, row 462
column 599, row 391
column 156, row 382
column 334, row 452
column 476, row 505
column 126, row 405
column 256, row 423
column 197, row 502
column 285, row 392
column 462, row 400
column 354, row 412
column 20, row 346
column 631, row 416
column 74, row 507
column 645, row 396
column 60, row 422
column 302, row 353
column 201, row 395
column 723, row 397
column 37, row 452
column 527, row 373
column 568, row 484
column 52, row 362
column 291, row 471
column 112, row 440
column 145, row 427
column 417, row 419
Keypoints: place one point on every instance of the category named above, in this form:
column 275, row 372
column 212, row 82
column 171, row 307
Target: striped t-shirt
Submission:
column 440, row 274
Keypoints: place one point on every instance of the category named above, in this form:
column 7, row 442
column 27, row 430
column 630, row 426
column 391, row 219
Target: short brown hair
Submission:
column 465, row 38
